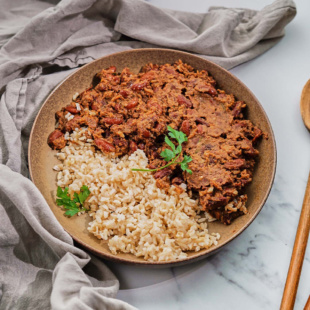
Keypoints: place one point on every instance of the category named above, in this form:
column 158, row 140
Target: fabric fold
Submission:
column 33, row 242
column 42, row 42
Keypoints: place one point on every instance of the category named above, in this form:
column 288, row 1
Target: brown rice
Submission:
column 127, row 207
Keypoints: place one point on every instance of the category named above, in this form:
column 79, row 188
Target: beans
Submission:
column 160, row 127
column 56, row 140
column 200, row 129
column 117, row 106
column 237, row 109
column 139, row 86
column 133, row 146
column 202, row 121
column 162, row 173
column 185, row 127
column 125, row 93
column 141, row 146
column 257, row 134
column 112, row 120
column 146, row 134
column 71, row 109
column 104, row 145
column 148, row 75
column 177, row 181
column 212, row 91
column 129, row 84
column 206, row 88
column 95, row 106
column 132, row 103
column 112, row 69
column 54, row 135
column 183, row 100
column 116, row 79
column 101, row 86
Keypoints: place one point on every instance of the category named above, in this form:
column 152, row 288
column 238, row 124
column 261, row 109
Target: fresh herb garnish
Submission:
column 172, row 155
column 75, row 205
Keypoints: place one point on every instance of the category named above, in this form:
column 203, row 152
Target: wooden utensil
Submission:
column 300, row 245
column 307, row 306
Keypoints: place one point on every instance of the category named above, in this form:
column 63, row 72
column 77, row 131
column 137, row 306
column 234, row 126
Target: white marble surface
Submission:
column 250, row 272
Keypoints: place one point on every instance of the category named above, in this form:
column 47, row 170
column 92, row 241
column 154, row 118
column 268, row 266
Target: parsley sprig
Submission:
column 75, row 205
column 171, row 156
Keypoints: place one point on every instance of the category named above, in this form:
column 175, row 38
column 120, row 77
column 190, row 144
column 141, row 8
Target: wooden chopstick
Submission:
column 300, row 245
column 307, row 306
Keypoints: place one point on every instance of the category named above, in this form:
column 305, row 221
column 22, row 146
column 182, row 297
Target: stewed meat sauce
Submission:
column 126, row 111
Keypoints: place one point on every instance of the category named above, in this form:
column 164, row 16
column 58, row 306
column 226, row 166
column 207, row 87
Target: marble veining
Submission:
column 250, row 272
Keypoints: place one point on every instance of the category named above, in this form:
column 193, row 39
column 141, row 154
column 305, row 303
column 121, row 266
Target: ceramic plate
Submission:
column 42, row 159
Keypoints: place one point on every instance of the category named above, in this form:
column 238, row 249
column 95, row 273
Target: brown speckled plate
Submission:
column 42, row 158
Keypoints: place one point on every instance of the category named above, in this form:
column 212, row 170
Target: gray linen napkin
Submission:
column 40, row 267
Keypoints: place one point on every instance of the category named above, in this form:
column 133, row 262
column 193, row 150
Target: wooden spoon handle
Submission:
column 307, row 306
column 300, row 245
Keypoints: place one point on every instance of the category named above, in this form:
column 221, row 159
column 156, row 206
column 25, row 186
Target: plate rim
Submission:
column 210, row 251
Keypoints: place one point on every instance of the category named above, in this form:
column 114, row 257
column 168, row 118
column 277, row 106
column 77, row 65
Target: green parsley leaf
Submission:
column 188, row 170
column 62, row 193
column 172, row 155
column 170, row 143
column 184, row 164
column 84, row 193
column 167, row 155
column 178, row 149
column 186, row 159
column 75, row 205
column 72, row 212
column 178, row 135
column 59, row 202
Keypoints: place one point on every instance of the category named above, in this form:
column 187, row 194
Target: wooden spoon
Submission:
column 300, row 245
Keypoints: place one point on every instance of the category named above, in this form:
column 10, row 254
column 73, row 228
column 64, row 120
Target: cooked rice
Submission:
column 127, row 207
